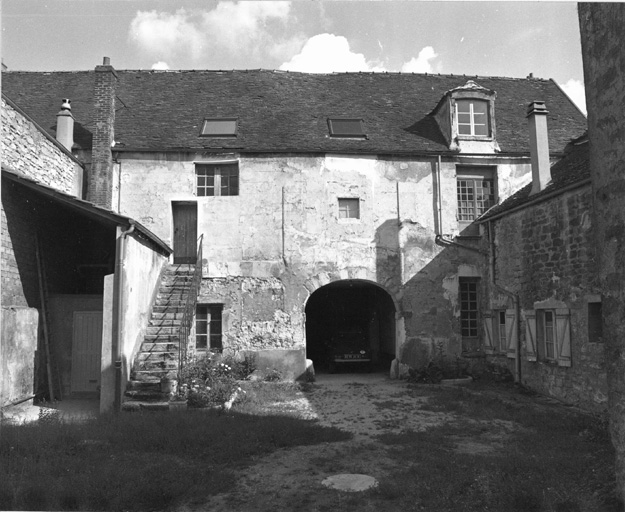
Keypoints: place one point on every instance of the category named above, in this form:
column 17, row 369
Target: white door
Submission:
column 86, row 351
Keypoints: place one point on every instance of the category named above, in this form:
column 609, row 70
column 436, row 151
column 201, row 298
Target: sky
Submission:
column 511, row 39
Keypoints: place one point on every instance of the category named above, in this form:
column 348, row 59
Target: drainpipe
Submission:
column 515, row 299
column 118, row 314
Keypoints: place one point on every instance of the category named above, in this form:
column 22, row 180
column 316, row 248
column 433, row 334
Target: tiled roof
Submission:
column 280, row 111
column 573, row 168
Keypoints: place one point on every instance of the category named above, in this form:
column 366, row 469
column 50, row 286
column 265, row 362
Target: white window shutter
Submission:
column 563, row 336
column 530, row 334
column 511, row 332
column 488, row 333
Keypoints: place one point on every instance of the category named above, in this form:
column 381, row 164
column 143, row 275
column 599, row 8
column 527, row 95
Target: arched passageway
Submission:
column 350, row 326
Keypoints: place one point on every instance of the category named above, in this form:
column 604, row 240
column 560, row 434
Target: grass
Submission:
column 141, row 461
column 502, row 455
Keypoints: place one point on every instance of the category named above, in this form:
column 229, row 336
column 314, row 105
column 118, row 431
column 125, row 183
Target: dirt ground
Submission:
column 366, row 405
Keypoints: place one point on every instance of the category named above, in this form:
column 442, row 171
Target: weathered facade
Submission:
column 542, row 257
column 601, row 28
column 328, row 204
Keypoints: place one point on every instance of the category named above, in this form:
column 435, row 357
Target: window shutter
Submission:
column 530, row 334
column 488, row 333
column 511, row 334
column 563, row 336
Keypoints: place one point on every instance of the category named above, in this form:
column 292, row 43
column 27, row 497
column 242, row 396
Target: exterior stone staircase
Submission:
column 158, row 355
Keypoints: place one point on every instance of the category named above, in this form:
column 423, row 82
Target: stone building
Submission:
column 329, row 206
column 64, row 273
column 603, row 52
column 542, row 315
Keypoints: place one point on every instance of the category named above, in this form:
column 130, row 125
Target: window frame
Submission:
column 218, row 179
column 213, row 319
column 486, row 173
column 546, row 335
column 471, row 101
column 333, row 123
column 474, row 322
column 349, row 201
column 500, row 341
column 228, row 134
column 595, row 325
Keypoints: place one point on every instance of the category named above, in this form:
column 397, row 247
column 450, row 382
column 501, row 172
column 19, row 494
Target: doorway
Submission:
column 86, row 351
column 185, row 231
column 348, row 318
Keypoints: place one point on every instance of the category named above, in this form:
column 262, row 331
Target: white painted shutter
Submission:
column 530, row 334
column 488, row 333
column 511, row 334
column 563, row 337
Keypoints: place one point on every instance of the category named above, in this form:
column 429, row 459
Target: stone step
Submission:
column 157, row 356
column 160, row 338
column 153, row 376
column 147, row 395
column 166, row 346
column 162, row 330
column 138, row 405
column 170, row 302
column 167, row 315
column 164, row 322
column 170, row 309
column 158, row 365
column 153, row 386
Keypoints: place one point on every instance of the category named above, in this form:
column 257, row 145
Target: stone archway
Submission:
column 348, row 317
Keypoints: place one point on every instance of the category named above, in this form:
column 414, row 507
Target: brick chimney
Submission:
column 539, row 145
column 65, row 125
column 100, row 188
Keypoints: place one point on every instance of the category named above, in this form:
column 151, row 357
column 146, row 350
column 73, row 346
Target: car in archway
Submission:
column 350, row 347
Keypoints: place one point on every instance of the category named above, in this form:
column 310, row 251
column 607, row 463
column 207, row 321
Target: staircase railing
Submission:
column 189, row 309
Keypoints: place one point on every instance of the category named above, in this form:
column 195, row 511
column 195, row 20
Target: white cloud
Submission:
column 327, row 53
column 576, row 91
column 160, row 65
column 422, row 63
column 230, row 29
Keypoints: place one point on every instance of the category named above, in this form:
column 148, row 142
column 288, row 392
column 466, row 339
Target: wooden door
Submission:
column 86, row 351
column 185, row 232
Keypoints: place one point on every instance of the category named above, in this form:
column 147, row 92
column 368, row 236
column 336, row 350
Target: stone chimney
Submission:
column 65, row 125
column 100, row 188
column 539, row 145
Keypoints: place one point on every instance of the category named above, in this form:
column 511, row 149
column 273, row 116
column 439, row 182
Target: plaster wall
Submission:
column 27, row 150
column 142, row 268
column 17, row 353
column 282, row 233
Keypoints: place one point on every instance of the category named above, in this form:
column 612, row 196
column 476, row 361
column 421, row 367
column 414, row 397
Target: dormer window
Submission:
column 472, row 117
column 346, row 128
column 219, row 127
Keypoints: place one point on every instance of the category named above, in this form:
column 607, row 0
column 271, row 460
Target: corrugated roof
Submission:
column 287, row 112
column 573, row 168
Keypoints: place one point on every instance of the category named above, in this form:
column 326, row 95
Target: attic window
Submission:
column 346, row 128
column 219, row 127
column 473, row 118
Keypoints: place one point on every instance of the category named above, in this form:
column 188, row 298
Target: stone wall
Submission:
column 545, row 254
column 603, row 54
column 27, row 150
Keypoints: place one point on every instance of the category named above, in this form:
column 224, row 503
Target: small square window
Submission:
column 349, row 208
column 469, row 307
column 346, row 128
column 546, row 333
column 223, row 127
column 217, row 179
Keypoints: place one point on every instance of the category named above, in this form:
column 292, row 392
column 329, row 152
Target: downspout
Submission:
column 118, row 315
column 515, row 299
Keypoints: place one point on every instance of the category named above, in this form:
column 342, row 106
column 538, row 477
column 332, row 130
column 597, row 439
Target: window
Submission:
column 219, row 127
column 217, row 179
column 548, row 335
column 545, row 332
column 499, row 330
column 208, row 326
column 475, row 187
column 346, row 128
column 349, row 208
column 595, row 326
column 469, row 307
column 472, row 118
